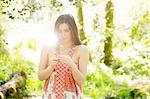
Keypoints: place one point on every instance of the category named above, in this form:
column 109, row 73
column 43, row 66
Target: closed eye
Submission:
column 67, row 30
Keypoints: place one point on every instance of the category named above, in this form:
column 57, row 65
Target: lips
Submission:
column 62, row 39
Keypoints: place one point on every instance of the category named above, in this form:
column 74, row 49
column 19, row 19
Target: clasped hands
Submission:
column 62, row 58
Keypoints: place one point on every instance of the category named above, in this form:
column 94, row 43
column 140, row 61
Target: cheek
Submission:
column 69, row 36
column 59, row 36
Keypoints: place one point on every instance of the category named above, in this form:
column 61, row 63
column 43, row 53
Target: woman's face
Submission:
column 64, row 33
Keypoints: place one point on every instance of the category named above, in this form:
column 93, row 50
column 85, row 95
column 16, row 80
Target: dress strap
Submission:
column 72, row 50
column 71, row 53
column 57, row 52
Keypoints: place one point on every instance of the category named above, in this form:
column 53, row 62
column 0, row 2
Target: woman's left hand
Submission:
column 66, row 59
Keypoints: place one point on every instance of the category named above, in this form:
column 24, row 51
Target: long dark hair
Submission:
column 69, row 20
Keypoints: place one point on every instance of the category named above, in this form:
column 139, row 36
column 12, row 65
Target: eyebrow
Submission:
column 65, row 29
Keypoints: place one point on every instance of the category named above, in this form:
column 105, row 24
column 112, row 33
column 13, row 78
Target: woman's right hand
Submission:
column 53, row 63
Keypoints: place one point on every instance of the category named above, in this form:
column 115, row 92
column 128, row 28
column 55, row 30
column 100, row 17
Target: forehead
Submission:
column 63, row 26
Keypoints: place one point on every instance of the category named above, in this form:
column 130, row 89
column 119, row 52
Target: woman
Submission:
column 64, row 67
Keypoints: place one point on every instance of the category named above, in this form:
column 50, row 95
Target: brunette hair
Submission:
column 69, row 20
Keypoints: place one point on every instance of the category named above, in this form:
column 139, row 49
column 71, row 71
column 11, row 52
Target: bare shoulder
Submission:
column 47, row 48
column 83, row 49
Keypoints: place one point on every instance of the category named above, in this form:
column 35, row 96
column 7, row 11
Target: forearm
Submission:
column 77, row 75
column 44, row 74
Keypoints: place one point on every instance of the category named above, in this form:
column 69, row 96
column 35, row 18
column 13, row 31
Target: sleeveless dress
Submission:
column 61, row 84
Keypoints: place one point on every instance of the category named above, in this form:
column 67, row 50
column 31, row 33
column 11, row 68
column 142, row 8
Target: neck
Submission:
column 66, row 45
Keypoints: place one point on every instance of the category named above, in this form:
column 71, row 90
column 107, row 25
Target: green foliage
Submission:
column 55, row 5
column 109, row 14
column 98, row 84
column 19, row 9
column 125, row 93
column 2, row 41
column 109, row 17
column 32, row 44
column 130, row 93
column 8, row 65
column 104, row 85
column 132, row 46
column 76, row 2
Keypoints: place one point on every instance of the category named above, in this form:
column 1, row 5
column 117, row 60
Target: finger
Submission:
column 53, row 65
column 53, row 62
column 63, row 55
column 54, row 58
column 61, row 58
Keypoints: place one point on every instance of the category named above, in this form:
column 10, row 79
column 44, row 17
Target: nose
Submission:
column 63, row 34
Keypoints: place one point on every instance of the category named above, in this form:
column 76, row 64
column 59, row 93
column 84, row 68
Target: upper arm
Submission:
column 43, row 58
column 83, row 59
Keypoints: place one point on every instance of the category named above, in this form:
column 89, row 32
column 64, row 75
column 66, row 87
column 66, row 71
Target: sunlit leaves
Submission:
column 77, row 2
column 55, row 5
column 19, row 9
column 3, row 42
column 130, row 45
column 32, row 44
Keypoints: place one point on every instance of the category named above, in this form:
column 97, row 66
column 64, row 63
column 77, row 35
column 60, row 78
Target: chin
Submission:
column 65, row 41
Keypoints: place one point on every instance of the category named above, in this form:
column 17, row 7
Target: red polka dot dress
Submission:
column 61, row 84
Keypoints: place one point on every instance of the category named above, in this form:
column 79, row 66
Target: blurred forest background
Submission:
column 117, row 33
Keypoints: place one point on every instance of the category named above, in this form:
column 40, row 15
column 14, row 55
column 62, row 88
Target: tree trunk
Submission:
column 109, row 32
column 17, row 80
column 81, row 22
